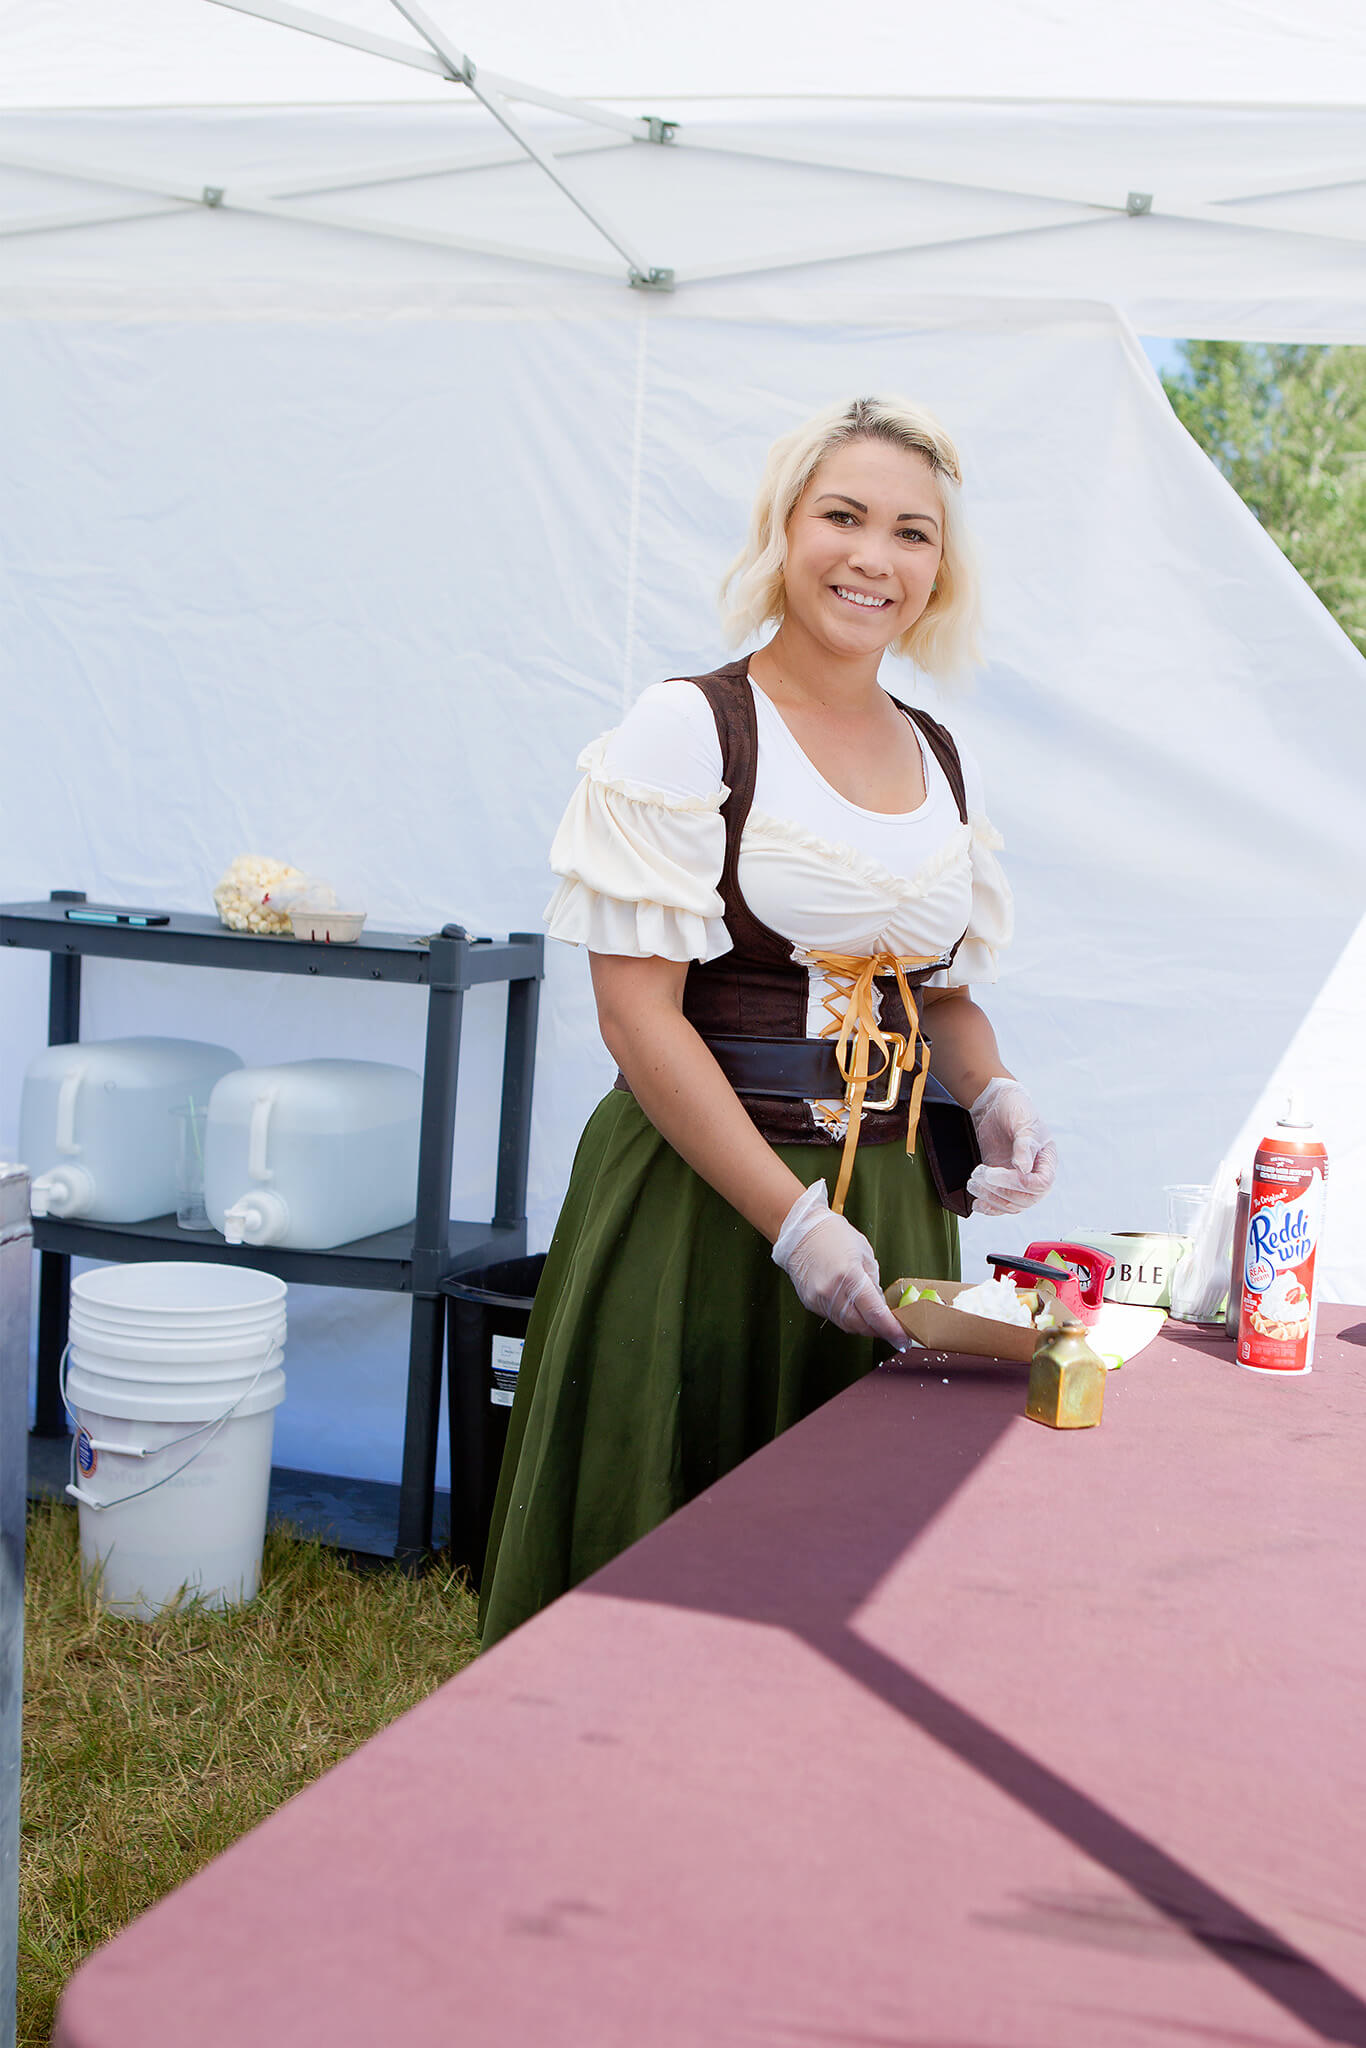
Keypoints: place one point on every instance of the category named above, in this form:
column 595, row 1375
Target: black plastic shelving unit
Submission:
column 413, row 1260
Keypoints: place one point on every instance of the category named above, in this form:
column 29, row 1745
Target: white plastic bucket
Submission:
column 174, row 1358
column 177, row 1324
column 174, row 1420
column 165, row 1289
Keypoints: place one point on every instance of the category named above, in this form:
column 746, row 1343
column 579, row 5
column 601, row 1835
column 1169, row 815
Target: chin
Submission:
column 854, row 637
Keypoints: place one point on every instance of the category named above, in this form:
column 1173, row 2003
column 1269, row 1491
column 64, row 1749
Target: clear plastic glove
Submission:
column 833, row 1269
column 1019, row 1158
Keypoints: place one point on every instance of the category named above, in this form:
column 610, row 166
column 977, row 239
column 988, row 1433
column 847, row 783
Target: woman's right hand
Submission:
column 834, row 1269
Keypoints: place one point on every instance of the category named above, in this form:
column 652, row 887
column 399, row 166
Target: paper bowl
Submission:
column 328, row 927
column 1119, row 1332
column 941, row 1328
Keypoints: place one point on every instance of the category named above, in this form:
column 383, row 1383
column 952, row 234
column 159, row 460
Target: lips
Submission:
column 861, row 600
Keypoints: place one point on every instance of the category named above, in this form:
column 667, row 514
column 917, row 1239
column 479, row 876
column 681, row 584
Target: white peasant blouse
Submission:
column 641, row 845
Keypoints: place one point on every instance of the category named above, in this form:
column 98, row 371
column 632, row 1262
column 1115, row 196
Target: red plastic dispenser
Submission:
column 1079, row 1286
column 1279, row 1310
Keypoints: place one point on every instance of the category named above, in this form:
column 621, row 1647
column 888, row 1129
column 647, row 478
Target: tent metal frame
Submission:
column 146, row 197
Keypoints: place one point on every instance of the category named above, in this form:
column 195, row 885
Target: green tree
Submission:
column 1287, row 426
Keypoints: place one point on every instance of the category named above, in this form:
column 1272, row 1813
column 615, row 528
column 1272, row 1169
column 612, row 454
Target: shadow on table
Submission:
column 814, row 1528
column 1214, row 1343
column 808, row 1538
column 1211, row 1340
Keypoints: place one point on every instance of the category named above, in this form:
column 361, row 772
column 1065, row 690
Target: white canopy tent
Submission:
column 69, row 53
column 335, row 528
column 1252, row 216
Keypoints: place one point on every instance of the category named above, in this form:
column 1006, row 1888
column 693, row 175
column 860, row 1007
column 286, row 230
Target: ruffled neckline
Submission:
column 782, row 835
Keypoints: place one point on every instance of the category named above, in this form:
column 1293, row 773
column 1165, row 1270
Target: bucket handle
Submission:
column 272, row 1358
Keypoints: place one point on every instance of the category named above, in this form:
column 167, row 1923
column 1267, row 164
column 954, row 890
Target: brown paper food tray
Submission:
column 945, row 1329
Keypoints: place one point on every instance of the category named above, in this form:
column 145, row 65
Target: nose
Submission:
column 870, row 553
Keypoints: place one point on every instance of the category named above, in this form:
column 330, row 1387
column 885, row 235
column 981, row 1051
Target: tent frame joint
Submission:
column 658, row 129
column 1139, row 202
column 652, row 280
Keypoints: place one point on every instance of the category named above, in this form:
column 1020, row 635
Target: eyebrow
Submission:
column 928, row 517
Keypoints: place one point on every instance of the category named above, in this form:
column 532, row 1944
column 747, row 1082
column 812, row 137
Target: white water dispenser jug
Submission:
column 312, row 1153
column 95, row 1125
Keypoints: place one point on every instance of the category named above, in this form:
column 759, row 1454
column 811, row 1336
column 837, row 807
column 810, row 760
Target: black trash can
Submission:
column 486, row 1317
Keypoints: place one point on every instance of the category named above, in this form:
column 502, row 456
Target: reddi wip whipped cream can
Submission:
column 1279, row 1312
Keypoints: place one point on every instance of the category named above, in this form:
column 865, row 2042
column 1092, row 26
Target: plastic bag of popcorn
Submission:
column 245, row 896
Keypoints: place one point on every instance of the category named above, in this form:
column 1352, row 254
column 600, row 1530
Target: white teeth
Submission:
column 874, row 604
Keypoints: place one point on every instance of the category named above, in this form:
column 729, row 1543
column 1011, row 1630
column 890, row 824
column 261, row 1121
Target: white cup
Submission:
column 190, row 1212
column 1184, row 1204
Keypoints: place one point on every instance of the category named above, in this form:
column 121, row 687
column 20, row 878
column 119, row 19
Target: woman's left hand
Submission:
column 1019, row 1158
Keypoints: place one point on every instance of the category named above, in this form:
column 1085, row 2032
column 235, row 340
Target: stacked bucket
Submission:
column 172, row 1382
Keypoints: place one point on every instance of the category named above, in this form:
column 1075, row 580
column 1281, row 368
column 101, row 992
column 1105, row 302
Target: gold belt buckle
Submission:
column 896, row 1054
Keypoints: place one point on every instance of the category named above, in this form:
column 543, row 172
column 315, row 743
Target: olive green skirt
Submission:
column 665, row 1346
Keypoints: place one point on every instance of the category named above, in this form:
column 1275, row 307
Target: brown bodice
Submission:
column 757, row 990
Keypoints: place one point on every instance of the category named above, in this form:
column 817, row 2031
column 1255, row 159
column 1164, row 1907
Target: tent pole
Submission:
column 464, row 68
column 302, row 18
column 16, row 1258
column 88, row 216
column 303, row 184
column 437, row 238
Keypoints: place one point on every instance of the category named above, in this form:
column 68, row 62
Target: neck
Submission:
column 800, row 670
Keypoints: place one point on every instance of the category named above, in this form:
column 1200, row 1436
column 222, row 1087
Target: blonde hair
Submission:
column 943, row 640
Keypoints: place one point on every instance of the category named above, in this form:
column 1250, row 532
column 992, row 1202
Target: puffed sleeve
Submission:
column 992, row 919
column 641, row 845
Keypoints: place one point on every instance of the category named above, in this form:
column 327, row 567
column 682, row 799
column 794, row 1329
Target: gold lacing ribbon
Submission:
column 853, row 1014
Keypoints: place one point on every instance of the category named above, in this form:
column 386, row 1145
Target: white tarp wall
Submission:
column 332, row 532
column 351, row 577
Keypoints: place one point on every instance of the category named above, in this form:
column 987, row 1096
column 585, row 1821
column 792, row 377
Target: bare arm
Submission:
column 965, row 1054
column 682, row 1090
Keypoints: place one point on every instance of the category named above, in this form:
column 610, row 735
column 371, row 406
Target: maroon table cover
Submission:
column 928, row 1728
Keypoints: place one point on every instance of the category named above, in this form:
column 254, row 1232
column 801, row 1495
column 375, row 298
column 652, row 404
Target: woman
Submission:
column 776, row 869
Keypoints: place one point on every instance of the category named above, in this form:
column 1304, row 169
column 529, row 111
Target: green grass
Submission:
column 150, row 1746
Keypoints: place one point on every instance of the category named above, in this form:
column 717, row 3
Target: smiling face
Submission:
column 864, row 543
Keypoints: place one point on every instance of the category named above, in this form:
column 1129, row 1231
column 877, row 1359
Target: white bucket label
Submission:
column 505, row 1358
column 87, row 1458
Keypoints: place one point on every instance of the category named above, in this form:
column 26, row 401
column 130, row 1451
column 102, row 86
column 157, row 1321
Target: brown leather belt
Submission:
column 806, row 1070
column 791, row 1069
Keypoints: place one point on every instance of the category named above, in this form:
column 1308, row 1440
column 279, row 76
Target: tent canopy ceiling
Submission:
column 181, row 52
column 1179, row 214
column 1255, row 220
